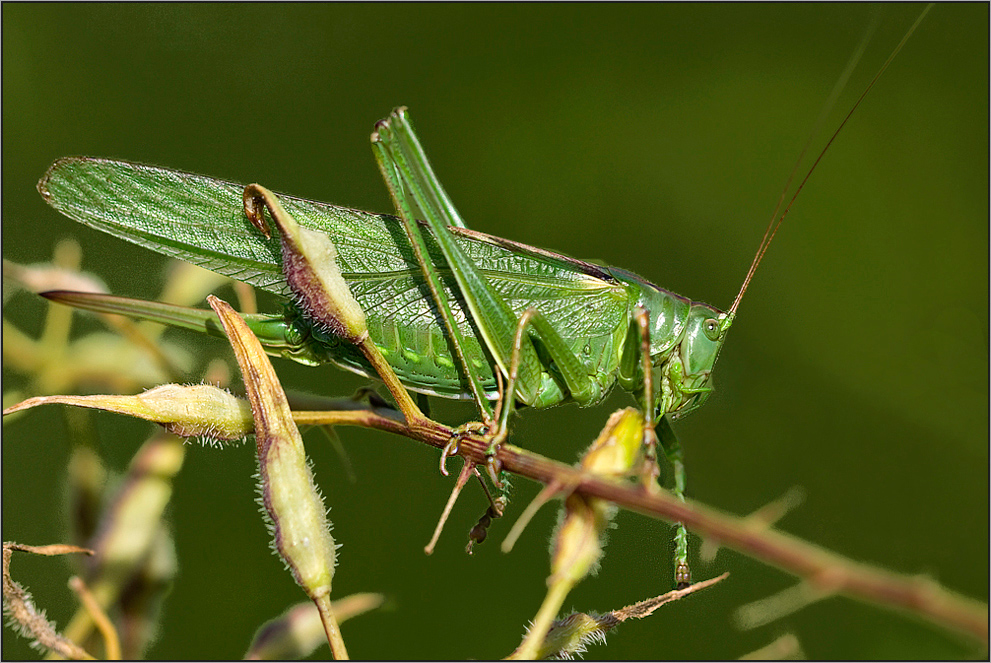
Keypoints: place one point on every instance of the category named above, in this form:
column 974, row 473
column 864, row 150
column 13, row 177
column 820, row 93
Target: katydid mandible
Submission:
column 454, row 312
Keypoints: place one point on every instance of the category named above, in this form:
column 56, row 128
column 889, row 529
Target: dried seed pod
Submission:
column 309, row 262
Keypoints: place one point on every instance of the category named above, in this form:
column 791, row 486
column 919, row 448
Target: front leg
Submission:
column 658, row 392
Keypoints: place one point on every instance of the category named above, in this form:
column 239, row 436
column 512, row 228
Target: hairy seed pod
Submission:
column 309, row 262
column 197, row 410
column 298, row 517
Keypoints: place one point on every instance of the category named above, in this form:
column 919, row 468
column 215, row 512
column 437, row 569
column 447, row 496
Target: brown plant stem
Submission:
column 331, row 628
column 823, row 569
column 20, row 608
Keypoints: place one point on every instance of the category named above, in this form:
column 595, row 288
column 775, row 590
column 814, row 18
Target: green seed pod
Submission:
column 199, row 410
column 298, row 517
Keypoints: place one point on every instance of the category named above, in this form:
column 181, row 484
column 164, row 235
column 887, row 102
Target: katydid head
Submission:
column 705, row 333
column 685, row 340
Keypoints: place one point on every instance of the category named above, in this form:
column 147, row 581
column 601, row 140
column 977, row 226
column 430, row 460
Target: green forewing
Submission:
column 201, row 220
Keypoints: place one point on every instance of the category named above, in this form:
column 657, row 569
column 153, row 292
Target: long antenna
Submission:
column 775, row 222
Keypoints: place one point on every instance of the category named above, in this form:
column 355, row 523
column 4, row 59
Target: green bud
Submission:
column 618, row 447
column 132, row 520
column 577, row 545
column 299, row 630
column 570, row 636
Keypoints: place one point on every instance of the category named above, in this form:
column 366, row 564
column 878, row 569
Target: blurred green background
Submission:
column 654, row 137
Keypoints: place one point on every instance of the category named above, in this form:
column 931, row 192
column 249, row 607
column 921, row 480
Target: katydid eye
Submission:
column 711, row 327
